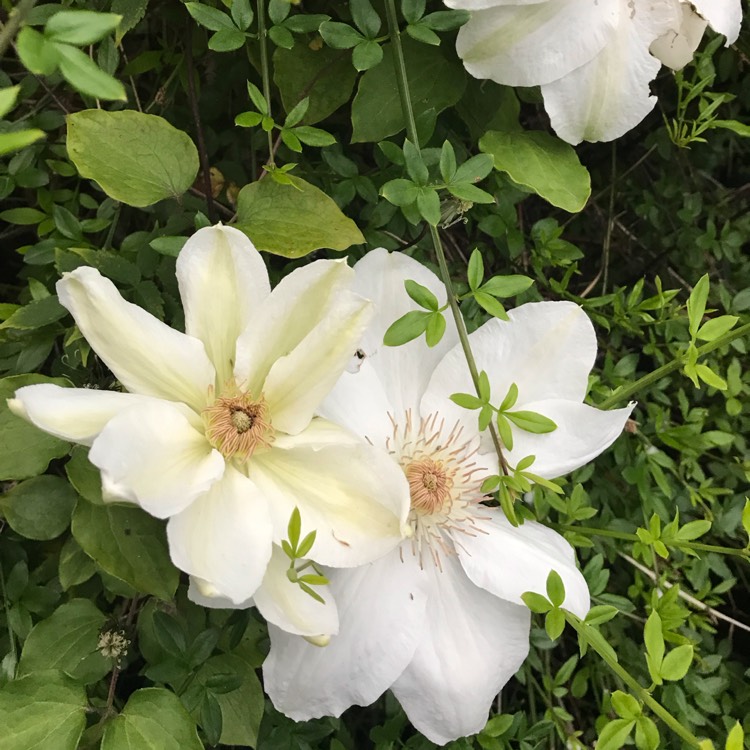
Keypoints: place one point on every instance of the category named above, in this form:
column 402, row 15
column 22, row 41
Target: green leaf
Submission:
column 474, row 169
column 498, row 725
column 421, row 295
column 37, row 53
column 446, row 20
column 23, row 216
column 626, row 706
column 505, row 431
column 476, row 269
column 45, row 711
column 467, row 401
column 80, row 27
column 75, row 566
column 507, row 286
column 491, row 305
column 484, row 389
column 83, row 74
column 435, row 329
column 510, row 398
column 400, row 192
column 693, row 530
column 297, row 113
column 25, row 451
column 554, row 623
column 367, row 55
column 248, row 119
column 324, row 75
column 646, row 734
column 242, row 14
column 226, row 40
column 531, row 422
column 544, row 164
column 365, row 17
column 470, row 193
column 709, row 377
column 257, row 98
column 654, row 641
column 153, row 718
column 536, row 602
column 746, row 517
column 8, row 98
column 294, row 528
column 447, row 162
column 38, row 313
column 555, row 588
column 677, row 662
column 211, row 18
column 412, row 10
column 415, row 165
column 428, row 204
column 406, row 328
column 716, row 327
column 434, row 82
column 313, row 136
column 600, row 614
column 696, row 304
column 138, row 159
column 615, row 734
column 67, row 640
column 132, row 12
column 735, row 738
column 423, row 33
column 340, row 35
column 40, row 507
column 128, row 544
column 293, row 220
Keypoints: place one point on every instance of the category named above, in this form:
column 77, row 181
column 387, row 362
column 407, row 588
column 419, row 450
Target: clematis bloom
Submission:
column 440, row 620
column 594, row 59
column 216, row 430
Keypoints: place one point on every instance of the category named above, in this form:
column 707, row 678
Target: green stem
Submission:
column 264, row 70
column 411, row 132
column 11, row 636
column 647, row 380
column 638, row 690
column 16, row 18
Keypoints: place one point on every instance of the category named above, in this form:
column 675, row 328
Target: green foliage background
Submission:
column 657, row 520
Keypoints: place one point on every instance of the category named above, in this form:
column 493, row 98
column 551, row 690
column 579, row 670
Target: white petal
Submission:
column 287, row 606
column 222, row 280
column 381, row 616
column 299, row 381
column 224, row 537
column 583, row 432
column 528, row 45
column 481, row 4
column 404, row 370
column 293, row 309
column 508, row 561
column 354, row 495
column 609, row 95
column 723, row 16
column 546, row 348
column 75, row 414
column 145, row 355
column 471, row 645
column 154, row 456
column 676, row 47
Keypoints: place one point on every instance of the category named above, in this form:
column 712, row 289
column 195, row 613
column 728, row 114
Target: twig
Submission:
column 17, row 16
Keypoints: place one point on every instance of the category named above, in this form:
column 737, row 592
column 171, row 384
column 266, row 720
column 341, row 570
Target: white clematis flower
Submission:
column 440, row 620
column 217, row 430
column 594, row 59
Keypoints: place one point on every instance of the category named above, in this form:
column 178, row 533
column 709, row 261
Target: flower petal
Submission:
column 723, row 16
column 507, row 561
column 224, row 537
column 583, row 432
column 481, row 4
column 471, row 645
column 606, row 97
column 532, row 44
column 354, row 495
column 677, row 46
column 287, row 606
column 381, row 616
column 144, row 354
column 75, row 414
column 299, row 381
column 154, row 456
column 546, row 348
column 222, row 280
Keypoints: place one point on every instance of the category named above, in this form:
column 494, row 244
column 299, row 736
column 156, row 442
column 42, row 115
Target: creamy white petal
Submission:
column 676, row 47
column 75, row 414
column 285, row 605
column 609, row 95
column 293, row 309
column 381, row 615
column 144, row 354
column 471, row 645
column 507, row 561
column 222, row 280
column 403, row 370
column 528, row 45
column 546, row 348
column 154, row 456
column 204, row 594
column 353, row 494
column 224, row 537
column 583, row 432
column 481, row 4
column 299, row 381
column 724, row 16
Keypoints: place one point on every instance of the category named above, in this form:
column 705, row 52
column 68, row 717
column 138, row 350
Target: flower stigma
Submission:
column 237, row 425
column 444, row 487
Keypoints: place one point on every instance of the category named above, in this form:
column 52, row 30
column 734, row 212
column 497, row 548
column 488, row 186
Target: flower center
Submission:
column 238, row 425
column 444, row 483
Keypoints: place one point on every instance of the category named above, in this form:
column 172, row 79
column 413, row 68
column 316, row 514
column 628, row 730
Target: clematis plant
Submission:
column 216, row 430
column 593, row 60
column 440, row 620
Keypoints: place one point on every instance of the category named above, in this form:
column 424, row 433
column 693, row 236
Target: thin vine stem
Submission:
column 265, row 72
column 407, row 109
column 647, row 380
column 16, row 18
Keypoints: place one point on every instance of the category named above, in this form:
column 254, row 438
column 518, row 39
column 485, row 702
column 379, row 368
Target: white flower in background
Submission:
column 594, row 59
column 216, row 432
column 440, row 620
